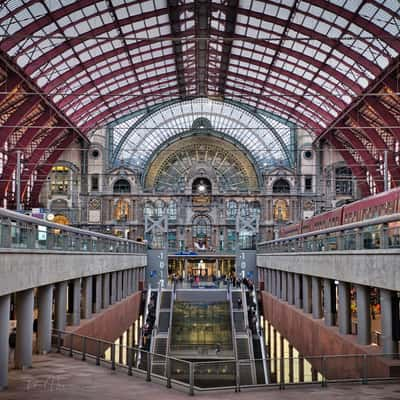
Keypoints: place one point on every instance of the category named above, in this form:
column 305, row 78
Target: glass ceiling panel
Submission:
column 266, row 138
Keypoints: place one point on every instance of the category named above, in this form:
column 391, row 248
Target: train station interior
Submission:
column 202, row 195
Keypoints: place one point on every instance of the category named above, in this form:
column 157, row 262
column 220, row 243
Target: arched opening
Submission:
column 281, row 186
column 201, row 186
column 122, row 186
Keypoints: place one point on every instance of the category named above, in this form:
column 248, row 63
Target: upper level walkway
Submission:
column 35, row 252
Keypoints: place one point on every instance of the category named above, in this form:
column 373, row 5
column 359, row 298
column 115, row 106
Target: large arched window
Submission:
column 281, row 186
column 122, row 186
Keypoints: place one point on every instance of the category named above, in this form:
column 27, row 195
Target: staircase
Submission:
column 160, row 339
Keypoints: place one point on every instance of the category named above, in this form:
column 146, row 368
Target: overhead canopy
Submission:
column 304, row 61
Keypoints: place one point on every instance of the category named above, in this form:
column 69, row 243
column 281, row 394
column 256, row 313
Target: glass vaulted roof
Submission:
column 267, row 139
column 304, row 60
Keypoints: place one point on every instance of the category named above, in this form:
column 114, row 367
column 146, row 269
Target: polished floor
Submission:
column 59, row 377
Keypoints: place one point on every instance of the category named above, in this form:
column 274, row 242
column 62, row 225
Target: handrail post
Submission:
column 148, row 375
column 70, row 345
column 98, row 352
column 365, row 369
column 113, row 356
column 83, row 348
column 130, row 360
column 58, row 341
column 237, row 365
column 282, row 374
column 168, row 371
column 323, row 372
column 191, row 379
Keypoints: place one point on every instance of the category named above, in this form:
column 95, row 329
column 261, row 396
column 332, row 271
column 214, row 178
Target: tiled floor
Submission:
column 59, row 377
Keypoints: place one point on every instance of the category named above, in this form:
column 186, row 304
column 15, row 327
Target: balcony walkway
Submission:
column 57, row 376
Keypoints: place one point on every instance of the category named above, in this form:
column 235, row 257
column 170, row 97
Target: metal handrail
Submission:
column 360, row 360
column 16, row 216
column 340, row 228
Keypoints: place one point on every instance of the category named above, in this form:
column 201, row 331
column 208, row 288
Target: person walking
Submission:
column 12, row 341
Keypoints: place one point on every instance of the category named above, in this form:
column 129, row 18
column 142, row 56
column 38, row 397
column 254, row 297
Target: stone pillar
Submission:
column 135, row 280
column 106, row 290
column 298, row 301
column 278, row 285
column 98, row 294
column 284, row 286
column 273, row 282
column 119, row 285
column 291, row 364
column 87, row 297
column 45, row 311
column 316, row 298
column 344, row 308
column 301, row 368
column 307, row 299
column 23, row 349
column 269, row 283
column 389, row 320
column 76, row 302
column 363, row 315
column 125, row 283
column 129, row 283
column 114, row 280
column 329, row 302
column 5, row 302
column 290, row 288
column 61, row 306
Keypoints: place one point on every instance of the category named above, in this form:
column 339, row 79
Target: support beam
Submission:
column 363, row 315
column 4, row 347
column 316, row 298
column 45, row 308
column 390, row 322
column 202, row 14
column 23, row 349
column 76, row 302
column 61, row 306
column 106, row 290
column 87, row 297
column 329, row 302
column 344, row 308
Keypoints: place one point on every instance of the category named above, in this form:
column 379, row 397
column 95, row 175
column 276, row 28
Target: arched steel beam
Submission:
column 385, row 115
column 367, row 64
column 375, row 138
column 57, row 50
column 307, row 59
column 297, row 78
column 293, row 114
column 356, row 170
column 114, row 77
column 21, row 144
column 44, row 169
column 120, row 91
column 369, row 161
column 359, row 20
column 278, row 90
column 16, row 118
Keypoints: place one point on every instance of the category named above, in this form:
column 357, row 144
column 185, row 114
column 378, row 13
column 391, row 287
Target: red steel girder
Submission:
column 357, row 57
column 369, row 161
column 202, row 12
column 356, row 169
column 10, row 85
column 230, row 21
column 174, row 12
column 17, row 117
column 375, row 138
column 44, row 169
column 389, row 120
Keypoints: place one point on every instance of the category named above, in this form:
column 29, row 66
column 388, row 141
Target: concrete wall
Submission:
column 377, row 268
column 23, row 269
column 107, row 325
column 313, row 338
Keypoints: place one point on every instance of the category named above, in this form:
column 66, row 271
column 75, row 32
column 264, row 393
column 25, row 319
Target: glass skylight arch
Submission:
column 267, row 138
